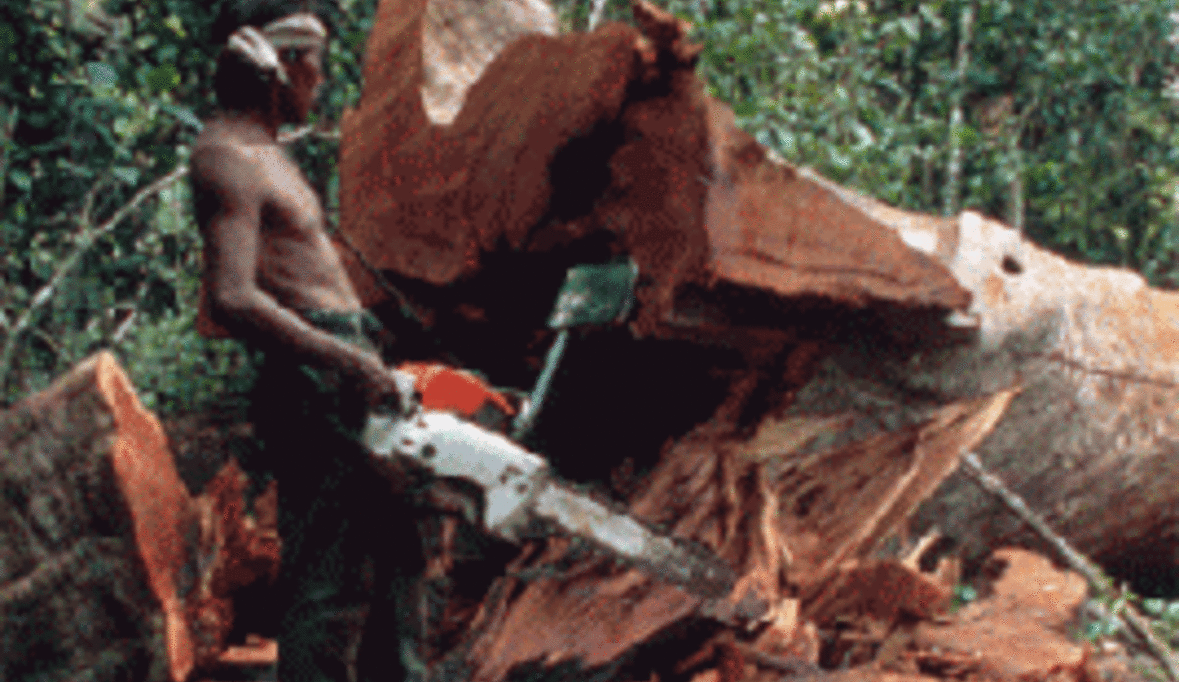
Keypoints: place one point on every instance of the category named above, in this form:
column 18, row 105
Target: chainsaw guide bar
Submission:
column 520, row 490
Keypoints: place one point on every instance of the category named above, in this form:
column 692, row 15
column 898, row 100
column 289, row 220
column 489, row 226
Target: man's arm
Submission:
column 232, row 237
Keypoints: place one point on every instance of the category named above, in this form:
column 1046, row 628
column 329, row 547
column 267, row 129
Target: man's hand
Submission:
column 389, row 388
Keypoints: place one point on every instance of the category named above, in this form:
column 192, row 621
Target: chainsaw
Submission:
column 451, row 432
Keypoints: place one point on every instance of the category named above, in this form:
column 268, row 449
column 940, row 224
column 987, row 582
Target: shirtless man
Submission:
column 273, row 279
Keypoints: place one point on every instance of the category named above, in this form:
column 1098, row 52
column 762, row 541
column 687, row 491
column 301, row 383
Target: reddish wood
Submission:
column 688, row 195
column 239, row 550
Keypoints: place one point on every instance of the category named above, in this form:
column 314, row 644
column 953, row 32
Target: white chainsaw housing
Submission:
column 510, row 476
column 519, row 488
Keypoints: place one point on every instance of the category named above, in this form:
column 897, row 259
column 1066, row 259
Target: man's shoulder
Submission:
column 214, row 154
column 226, row 175
column 224, row 164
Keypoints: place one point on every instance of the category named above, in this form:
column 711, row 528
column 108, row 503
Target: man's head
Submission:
column 273, row 56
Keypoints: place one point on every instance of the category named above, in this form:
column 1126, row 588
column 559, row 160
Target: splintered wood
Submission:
column 808, row 599
column 1019, row 632
column 236, row 550
column 783, row 539
column 846, row 501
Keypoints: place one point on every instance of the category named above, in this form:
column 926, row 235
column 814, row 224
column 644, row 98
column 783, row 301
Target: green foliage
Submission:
column 1103, row 618
column 95, row 106
column 1164, row 617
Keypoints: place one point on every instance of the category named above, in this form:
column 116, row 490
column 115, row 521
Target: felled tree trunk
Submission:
column 1091, row 440
column 804, row 366
column 582, row 147
column 93, row 551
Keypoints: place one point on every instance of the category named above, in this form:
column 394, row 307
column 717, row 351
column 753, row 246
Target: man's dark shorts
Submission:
column 350, row 546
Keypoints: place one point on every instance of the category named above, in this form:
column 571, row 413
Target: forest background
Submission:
column 1056, row 116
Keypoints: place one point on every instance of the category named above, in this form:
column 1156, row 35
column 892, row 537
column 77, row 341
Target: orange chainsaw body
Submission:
column 446, row 389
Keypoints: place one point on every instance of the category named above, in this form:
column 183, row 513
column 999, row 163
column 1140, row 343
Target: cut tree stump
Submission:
column 97, row 532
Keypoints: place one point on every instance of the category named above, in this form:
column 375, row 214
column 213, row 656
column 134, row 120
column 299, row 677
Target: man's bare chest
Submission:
column 290, row 208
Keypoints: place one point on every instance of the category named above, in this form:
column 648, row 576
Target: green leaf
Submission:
column 102, row 75
column 1094, row 630
column 183, row 114
column 746, row 108
column 21, row 179
column 75, row 168
column 1172, row 614
column 163, row 78
column 123, row 126
column 931, row 16
column 965, row 593
column 839, row 160
column 1154, row 607
column 7, row 37
column 911, row 26
column 966, row 136
column 173, row 22
column 126, row 174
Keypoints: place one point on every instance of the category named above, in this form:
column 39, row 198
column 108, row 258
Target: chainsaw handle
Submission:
column 403, row 402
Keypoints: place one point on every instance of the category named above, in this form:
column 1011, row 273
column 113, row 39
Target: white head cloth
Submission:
column 297, row 30
column 300, row 30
